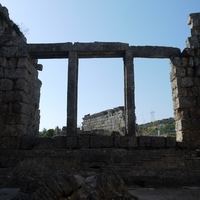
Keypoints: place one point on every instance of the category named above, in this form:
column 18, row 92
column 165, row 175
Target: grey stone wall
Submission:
column 19, row 84
column 185, row 80
column 111, row 120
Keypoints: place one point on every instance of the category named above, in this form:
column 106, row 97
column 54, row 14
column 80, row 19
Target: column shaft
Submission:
column 72, row 92
column 129, row 100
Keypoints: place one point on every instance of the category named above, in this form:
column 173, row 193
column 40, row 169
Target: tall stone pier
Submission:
column 19, row 83
column 185, row 79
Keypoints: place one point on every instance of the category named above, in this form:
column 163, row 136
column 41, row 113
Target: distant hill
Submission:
column 164, row 127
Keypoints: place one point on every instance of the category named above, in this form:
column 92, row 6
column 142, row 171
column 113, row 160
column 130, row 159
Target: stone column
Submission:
column 129, row 100
column 72, row 93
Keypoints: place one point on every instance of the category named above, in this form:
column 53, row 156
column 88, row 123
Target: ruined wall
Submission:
column 111, row 120
column 19, row 84
column 185, row 79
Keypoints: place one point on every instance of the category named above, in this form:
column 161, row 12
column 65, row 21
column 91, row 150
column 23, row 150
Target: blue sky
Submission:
column 137, row 22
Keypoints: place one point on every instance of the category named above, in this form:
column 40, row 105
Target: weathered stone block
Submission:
column 71, row 142
column 194, row 112
column 187, row 82
column 170, row 142
column 8, row 142
column 8, row 96
column 101, row 141
column 144, row 141
column 6, row 84
column 16, row 73
column 8, row 52
column 27, row 142
column 186, row 102
column 22, row 85
column 3, row 61
column 10, row 118
column 193, row 42
column 154, row 51
column 44, row 143
column 59, row 142
column 126, row 141
column 83, row 141
column 194, row 20
column 158, row 142
column 21, row 96
column 20, row 107
column 175, row 61
column 190, row 71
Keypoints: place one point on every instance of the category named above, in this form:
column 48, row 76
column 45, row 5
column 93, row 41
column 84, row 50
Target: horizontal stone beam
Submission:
column 154, row 51
column 99, row 50
column 52, row 50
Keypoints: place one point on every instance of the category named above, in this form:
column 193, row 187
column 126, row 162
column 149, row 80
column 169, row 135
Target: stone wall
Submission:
column 185, row 79
column 111, row 120
column 19, row 84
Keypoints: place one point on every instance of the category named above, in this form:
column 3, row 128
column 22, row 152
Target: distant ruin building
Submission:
column 110, row 120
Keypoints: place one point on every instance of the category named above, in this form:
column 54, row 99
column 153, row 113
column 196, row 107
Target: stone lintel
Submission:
column 100, row 49
column 51, row 50
column 154, row 51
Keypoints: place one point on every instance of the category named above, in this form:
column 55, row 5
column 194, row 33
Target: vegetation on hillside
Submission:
column 164, row 127
column 47, row 133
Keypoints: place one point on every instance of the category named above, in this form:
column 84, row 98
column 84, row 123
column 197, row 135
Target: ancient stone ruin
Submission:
column 112, row 120
column 84, row 166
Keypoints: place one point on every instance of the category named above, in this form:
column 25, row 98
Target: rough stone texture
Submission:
column 185, row 80
column 74, row 187
column 111, row 120
column 19, row 84
column 150, row 168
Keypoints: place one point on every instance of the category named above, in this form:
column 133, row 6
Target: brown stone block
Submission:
column 44, row 143
column 194, row 112
column 83, row 141
column 157, row 142
column 59, row 142
column 186, row 102
column 101, row 141
column 9, row 142
column 27, row 142
column 71, row 142
column 144, row 141
column 126, row 142
column 170, row 142
column 190, row 72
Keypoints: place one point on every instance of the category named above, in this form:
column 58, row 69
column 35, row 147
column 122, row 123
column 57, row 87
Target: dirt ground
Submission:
column 186, row 193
